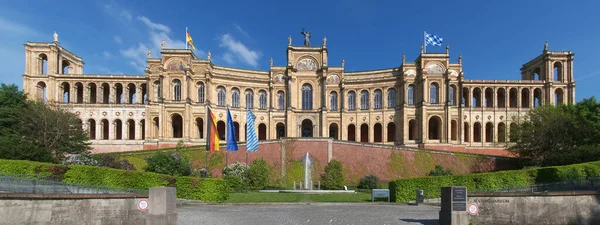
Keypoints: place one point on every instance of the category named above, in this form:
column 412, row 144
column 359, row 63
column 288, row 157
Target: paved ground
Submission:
column 308, row 214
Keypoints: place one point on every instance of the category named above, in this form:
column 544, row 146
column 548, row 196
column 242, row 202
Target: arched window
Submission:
column 249, row 99
column 156, row 90
column 66, row 92
column 411, row 94
column 65, row 67
column 557, row 72
column 307, row 97
column 364, row 99
column 433, row 93
column 262, row 99
column 333, row 100
column 391, row 98
column 451, row 95
column 280, row 100
column 221, row 96
column 43, row 63
column 378, row 99
column 351, row 100
column 200, row 92
column 235, row 98
column 177, row 90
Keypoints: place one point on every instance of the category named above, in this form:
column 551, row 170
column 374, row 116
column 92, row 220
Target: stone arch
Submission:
column 466, row 132
column 200, row 91
column 477, row 132
column 452, row 94
column 364, row 132
column 119, row 93
column 66, row 92
column 525, row 98
column 200, row 127
column 66, row 67
column 557, row 72
column 489, row 132
column 92, row 128
column 249, row 97
column 93, row 93
column 536, row 74
column 351, row 132
column 512, row 133
column 221, row 129
column 307, row 63
column 412, row 129
column 453, row 130
column 43, row 63
column 235, row 97
column 130, row 129
column 514, row 98
column 156, row 127
column 411, row 94
column 79, row 92
column 435, row 68
column 174, row 64
column 176, row 89
column 333, row 131
column 177, row 125
column 489, row 98
column 280, row 100
column 435, row 128
column 118, row 129
column 41, row 91
column 558, row 96
column 537, row 97
column 476, row 97
column 221, row 95
column 434, row 93
column 465, row 97
column 105, row 93
column 377, row 99
column 391, row 132
column 131, row 95
column 262, row 131
column 307, row 96
column 280, row 127
column 144, row 93
column 501, row 132
column 307, row 128
column 105, row 129
column 501, row 98
column 377, row 133
column 143, row 129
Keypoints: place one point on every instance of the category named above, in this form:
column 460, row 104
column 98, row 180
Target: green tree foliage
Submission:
column 34, row 131
column 169, row 164
column 558, row 135
column 258, row 174
column 439, row 171
column 369, row 182
column 235, row 174
column 333, row 178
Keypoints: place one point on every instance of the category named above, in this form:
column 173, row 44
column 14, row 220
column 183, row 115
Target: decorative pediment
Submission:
column 279, row 78
column 175, row 65
column 410, row 73
column 453, row 73
column 307, row 64
column 434, row 69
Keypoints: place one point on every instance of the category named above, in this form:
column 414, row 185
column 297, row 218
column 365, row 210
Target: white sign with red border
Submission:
column 473, row 209
column 142, row 204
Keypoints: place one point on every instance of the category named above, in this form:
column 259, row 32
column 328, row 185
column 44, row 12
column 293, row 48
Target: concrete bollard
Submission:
column 162, row 206
column 420, row 197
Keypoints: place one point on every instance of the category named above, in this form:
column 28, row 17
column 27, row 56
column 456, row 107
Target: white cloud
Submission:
column 107, row 55
column 238, row 28
column 138, row 55
column 238, row 49
column 118, row 39
column 118, row 13
column 228, row 57
column 154, row 26
column 12, row 28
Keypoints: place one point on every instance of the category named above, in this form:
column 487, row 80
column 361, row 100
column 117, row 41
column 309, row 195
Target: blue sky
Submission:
column 494, row 37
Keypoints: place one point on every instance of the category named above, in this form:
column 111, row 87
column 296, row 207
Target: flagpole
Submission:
column 205, row 138
column 186, row 41
column 424, row 42
column 247, row 168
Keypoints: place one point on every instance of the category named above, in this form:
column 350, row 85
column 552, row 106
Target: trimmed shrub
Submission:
column 439, row 171
column 258, row 174
column 235, row 174
column 333, row 178
column 404, row 190
column 169, row 164
column 369, row 182
column 210, row 190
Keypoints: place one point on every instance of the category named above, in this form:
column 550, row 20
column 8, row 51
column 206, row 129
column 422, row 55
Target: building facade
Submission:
column 425, row 102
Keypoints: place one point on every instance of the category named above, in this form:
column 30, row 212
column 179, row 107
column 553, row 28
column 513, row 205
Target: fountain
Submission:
column 307, row 172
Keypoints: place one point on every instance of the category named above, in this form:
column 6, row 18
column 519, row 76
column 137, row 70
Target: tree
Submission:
column 439, row 171
column 171, row 164
column 52, row 130
column 558, row 135
column 369, row 182
column 333, row 178
column 258, row 174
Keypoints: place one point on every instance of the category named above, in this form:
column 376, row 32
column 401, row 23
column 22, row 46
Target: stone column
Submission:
column 162, row 208
column 125, row 97
column 113, row 95
column 139, row 96
column 112, row 128
column 86, row 93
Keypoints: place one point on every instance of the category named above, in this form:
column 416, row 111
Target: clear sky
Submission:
column 494, row 37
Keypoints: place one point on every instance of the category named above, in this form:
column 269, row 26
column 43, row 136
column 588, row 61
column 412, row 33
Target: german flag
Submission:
column 212, row 135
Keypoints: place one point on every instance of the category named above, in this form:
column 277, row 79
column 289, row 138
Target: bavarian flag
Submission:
column 189, row 41
column 212, row 135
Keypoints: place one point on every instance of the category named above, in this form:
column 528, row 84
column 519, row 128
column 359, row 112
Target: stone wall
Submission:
column 71, row 209
column 577, row 207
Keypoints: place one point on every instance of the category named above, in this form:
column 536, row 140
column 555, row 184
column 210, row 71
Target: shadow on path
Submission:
column 423, row 221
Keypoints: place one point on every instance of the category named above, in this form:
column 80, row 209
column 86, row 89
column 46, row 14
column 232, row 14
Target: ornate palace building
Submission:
column 427, row 102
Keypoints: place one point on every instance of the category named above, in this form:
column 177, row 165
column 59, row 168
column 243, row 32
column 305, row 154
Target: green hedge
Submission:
column 404, row 190
column 210, row 190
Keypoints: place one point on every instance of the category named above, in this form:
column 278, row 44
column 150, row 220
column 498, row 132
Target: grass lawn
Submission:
column 297, row 197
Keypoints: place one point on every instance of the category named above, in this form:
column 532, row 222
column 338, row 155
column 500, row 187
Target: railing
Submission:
column 40, row 184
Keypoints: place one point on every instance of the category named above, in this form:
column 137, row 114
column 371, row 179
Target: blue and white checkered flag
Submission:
column 433, row 40
column 252, row 142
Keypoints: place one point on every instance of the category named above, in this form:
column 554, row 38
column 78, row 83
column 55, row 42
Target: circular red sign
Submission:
column 142, row 204
column 473, row 209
